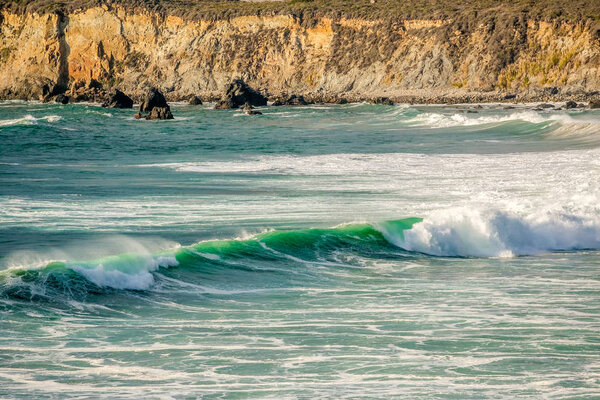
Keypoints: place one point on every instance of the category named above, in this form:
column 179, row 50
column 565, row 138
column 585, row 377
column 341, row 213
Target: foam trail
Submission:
column 29, row 120
column 471, row 233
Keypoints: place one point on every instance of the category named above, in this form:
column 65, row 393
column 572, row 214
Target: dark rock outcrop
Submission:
column 154, row 106
column 88, row 91
column 160, row 113
column 329, row 99
column 225, row 104
column 237, row 94
column 51, row 93
column 292, row 100
column 62, row 99
column 195, row 101
column 386, row 101
column 118, row 99
column 570, row 104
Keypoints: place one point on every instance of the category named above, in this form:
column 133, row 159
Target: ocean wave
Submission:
column 496, row 233
column 445, row 233
column 29, row 120
column 444, row 120
column 104, row 114
column 130, row 271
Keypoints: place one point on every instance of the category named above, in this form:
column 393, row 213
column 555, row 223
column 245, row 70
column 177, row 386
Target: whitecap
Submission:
column 463, row 232
column 29, row 120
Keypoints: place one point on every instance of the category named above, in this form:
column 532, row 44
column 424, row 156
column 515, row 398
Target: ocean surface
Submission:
column 342, row 252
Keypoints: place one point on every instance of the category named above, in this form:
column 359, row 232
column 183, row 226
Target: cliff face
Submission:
column 355, row 58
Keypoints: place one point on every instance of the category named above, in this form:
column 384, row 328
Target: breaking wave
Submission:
column 448, row 233
column 29, row 120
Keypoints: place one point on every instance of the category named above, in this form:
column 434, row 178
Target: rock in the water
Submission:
column 386, row 101
column 292, row 100
column 154, row 98
column 249, row 110
column 160, row 113
column 195, row 101
column 594, row 104
column 239, row 93
column 155, row 104
column 225, row 104
column 570, row 104
column 118, row 99
column 62, row 99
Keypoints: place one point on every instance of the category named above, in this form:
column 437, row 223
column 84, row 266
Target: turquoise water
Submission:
column 352, row 251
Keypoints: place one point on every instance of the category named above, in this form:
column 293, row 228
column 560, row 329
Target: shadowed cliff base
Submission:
column 326, row 51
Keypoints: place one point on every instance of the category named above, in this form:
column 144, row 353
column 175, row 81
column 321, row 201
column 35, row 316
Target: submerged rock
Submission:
column 118, row 99
column 155, row 104
column 238, row 93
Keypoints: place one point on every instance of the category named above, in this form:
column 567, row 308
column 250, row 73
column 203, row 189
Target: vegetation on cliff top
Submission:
column 572, row 10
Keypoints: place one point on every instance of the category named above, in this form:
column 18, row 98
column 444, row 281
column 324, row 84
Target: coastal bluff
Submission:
column 482, row 55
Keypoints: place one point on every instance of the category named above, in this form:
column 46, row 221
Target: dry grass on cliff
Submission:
column 572, row 10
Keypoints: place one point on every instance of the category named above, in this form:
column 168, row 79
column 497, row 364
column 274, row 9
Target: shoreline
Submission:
column 411, row 98
column 530, row 105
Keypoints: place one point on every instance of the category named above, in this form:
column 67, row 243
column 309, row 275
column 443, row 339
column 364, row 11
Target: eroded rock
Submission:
column 237, row 94
column 195, row 101
column 570, row 104
column 154, row 106
column 118, row 99
column 62, row 99
column 292, row 100
column 386, row 101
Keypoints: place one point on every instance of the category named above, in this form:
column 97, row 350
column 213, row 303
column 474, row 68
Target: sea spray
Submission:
column 464, row 232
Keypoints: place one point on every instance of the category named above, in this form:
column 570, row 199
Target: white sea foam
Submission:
column 29, row 120
column 494, row 233
column 446, row 120
column 133, row 272
column 104, row 114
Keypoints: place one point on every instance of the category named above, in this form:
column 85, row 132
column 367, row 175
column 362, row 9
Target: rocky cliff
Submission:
column 330, row 55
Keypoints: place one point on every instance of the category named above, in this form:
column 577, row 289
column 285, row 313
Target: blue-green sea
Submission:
column 319, row 252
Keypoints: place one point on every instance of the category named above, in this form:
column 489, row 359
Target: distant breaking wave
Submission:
column 448, row 233
column 444, row 120
column 29, row 120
